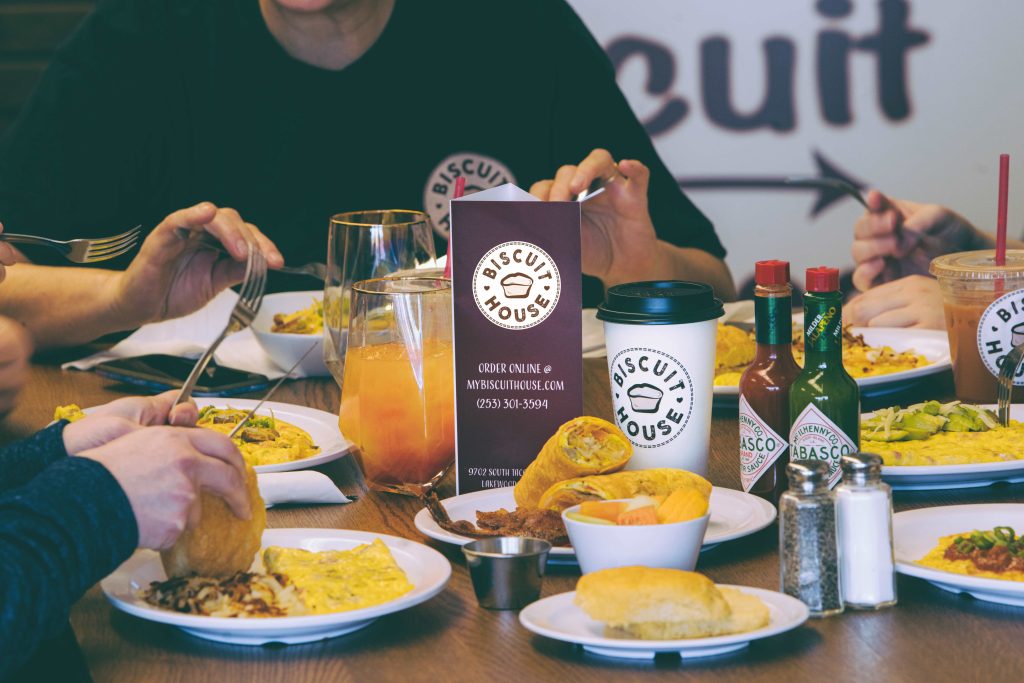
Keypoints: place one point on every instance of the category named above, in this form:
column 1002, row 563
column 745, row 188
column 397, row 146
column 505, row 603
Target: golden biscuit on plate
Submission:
column 666, row 604
column 221, row 544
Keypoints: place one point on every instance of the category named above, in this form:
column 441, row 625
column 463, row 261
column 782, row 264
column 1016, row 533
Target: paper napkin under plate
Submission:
column 189, row 336
column 305, row 486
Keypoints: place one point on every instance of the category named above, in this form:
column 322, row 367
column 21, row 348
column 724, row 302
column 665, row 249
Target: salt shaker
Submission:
column 864, row 513
column 808, row 551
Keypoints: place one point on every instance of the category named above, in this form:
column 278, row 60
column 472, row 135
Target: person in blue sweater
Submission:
column 77, row 499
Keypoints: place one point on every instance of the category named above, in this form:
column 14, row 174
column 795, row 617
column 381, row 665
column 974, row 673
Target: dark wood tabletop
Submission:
column 931, row 635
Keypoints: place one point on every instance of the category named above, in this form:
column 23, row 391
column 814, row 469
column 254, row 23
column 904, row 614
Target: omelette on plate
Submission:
column 934, row 433
column 991, row 554
column 735, row 350
column 296, row 582
column 264, row 440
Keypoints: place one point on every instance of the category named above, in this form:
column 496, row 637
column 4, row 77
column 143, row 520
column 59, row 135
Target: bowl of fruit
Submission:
column 649, row 531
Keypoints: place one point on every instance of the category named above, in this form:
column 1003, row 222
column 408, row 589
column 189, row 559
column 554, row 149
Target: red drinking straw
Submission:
column 1004, row 190
column 460, row 189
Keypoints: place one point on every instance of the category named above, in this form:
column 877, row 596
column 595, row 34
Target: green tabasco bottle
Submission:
column 824, row 401
column 764, row 387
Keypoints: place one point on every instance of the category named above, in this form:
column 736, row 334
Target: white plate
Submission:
column 321, row 425
column 929, row 477
column 733, row 514
column 558, row 618
column 932, row 344
column 426, row 569
column 916, row 532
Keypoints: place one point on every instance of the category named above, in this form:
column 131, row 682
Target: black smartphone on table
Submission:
column 159, row 372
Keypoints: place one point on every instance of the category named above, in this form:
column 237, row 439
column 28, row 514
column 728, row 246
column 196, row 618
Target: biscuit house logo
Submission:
column 481, row 173
column 1000, row 328
column 652, row 396
column 516, row 285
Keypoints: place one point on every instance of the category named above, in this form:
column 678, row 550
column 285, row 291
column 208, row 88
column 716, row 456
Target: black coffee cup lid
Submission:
column 660, row 302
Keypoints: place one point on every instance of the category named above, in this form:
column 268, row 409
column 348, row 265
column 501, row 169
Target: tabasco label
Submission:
column 815, row 437
column 760, row 446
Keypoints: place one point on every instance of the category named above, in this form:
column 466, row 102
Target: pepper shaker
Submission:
column 864, row 513
column 808, row 549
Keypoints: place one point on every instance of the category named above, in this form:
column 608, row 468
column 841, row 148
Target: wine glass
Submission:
column 364, row 245
column 398, row 393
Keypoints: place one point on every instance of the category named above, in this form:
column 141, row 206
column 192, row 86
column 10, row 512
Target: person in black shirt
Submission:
column 66, row 522
column 293, row 110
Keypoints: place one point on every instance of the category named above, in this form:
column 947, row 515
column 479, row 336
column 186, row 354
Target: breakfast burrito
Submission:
column 582, row 446
column 653, row 482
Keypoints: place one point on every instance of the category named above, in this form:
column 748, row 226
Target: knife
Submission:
column 270, row 393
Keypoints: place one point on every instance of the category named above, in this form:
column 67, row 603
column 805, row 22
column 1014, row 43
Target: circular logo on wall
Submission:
column 652, row 396
column 516, row 285
column 1000, row 328
column 481, row 172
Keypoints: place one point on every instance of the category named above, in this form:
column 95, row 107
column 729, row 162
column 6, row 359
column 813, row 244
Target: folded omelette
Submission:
column 581, row 446
column 660, row 481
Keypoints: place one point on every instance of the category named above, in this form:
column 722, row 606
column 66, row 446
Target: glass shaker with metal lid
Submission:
column 864, row 517
column 808, row 549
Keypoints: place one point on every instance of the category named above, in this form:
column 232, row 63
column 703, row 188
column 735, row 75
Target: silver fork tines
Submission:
column 84, row 250
column 250, row 296
column 1006, row 375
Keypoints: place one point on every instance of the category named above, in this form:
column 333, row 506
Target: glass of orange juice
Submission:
column 398, row 391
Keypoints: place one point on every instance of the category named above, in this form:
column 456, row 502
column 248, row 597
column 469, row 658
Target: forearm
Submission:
column 63, row 306
column 22, row 460
column 65, row 530
column 670, row 262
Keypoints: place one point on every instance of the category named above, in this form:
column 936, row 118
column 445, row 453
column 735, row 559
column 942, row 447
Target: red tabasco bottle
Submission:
column 764, row 386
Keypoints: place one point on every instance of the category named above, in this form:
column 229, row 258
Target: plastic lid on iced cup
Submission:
column 660, row 302
column 978, row 265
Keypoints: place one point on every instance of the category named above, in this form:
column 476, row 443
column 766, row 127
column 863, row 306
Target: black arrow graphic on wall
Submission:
column 825, row 169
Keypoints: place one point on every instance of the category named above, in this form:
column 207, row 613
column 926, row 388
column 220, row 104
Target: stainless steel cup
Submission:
column 506, row 570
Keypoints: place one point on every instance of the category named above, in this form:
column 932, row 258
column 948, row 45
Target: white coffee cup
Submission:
column 660, row 338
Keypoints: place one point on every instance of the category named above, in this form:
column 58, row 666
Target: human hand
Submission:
column 163, row 469
column 619, row 243
column 117, row 418
column 912, row 301
column 895, row 238
column 15, row 353
column 172, row 276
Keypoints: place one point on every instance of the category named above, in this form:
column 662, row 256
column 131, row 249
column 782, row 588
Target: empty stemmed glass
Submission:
column 363, row 245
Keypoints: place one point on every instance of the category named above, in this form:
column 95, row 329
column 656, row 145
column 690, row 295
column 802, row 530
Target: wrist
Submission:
column 657, row 264
column 120, row 306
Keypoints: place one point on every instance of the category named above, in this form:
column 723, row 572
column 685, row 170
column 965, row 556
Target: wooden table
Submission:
column 930, row 636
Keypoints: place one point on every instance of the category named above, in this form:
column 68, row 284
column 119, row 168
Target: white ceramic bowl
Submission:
column 601, row 546
column 285, row 349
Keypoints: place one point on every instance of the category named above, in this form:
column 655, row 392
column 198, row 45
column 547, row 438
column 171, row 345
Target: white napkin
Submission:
column 189, row 336
column 305, row 486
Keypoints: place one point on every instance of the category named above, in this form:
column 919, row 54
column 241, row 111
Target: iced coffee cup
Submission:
column 984, row 306
column 660, row 338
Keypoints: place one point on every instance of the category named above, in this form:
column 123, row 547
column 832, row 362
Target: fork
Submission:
column 250, row 296
column 206, row 241
column 84, row 250
column 1006, row 373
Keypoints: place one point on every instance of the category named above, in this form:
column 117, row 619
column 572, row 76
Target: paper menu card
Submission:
column 517, row 305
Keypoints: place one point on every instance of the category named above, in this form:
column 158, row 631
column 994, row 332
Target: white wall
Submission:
column 965, row 85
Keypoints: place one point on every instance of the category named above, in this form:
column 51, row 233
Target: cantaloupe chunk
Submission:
column 609, row 510
column 639, row 516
